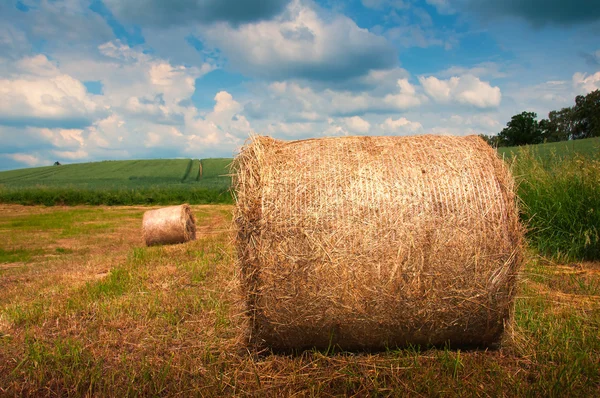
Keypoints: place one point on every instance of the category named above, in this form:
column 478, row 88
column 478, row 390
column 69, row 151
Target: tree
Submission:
column 586, row 115
column 522, row 129
column 492, row 140
column 559, row 126
column 57, row 163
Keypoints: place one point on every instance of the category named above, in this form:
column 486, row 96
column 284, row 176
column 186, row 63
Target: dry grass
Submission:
column 107, row 316
column 374, row 242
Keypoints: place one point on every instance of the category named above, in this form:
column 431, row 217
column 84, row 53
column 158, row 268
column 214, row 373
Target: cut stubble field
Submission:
column 87, row 309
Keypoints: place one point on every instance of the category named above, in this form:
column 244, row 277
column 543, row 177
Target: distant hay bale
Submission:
column 374, row 242
column 174, row 224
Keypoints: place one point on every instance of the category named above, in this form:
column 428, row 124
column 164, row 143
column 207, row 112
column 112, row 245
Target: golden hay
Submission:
column 374, row 242
column 174, row 224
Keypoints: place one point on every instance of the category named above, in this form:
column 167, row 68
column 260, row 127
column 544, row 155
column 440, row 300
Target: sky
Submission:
column 89, row 80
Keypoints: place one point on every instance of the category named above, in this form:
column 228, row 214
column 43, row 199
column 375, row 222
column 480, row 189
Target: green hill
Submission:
column 160, row 181
column 123, row 174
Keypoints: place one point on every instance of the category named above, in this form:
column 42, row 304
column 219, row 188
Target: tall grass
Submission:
column 560, row 198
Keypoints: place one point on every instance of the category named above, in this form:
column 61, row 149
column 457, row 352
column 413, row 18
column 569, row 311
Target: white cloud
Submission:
column 300, row 43
column 406, row 98
column 401, row 125
column 71, row 155
column 356, row 124
column 585, row 84
column 40, row 92
column 466, row 89
column 224, row 125
column 25, row 158
column 297, row 102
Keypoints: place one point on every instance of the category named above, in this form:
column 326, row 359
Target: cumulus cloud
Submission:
column 466, row 89
column 28, row 159
column 141, row 85
column 301, row 44
column 540, row 12
column 400, row 126
column 300, row 103
column 406, row 97
column 356, row 124
column 585, row 84
column 144, row 111
column 223, row 125
column 40, row 95
column 180, row 12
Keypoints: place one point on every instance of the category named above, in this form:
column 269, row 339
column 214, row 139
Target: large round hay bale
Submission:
column 374, row 242
column 174, row 224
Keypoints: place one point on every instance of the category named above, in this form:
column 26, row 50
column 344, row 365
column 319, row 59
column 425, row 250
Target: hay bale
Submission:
column 370, row 242
column 174, row 224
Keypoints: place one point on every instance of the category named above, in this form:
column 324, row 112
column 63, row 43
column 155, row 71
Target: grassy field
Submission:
column 86, row 309
column 589, row 147
column 160, row 181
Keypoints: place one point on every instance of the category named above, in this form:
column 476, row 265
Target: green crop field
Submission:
column 161, row 181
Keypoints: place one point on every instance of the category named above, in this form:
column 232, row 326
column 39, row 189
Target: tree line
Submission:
column 581, row 120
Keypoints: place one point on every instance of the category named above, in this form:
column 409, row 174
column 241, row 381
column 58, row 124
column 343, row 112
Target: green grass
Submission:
column 560, row 197
column 164, row 181
column 17, row 255
column 215, row 168
column 589, row 147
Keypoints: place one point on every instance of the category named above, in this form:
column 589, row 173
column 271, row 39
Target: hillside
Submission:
column 122, row 182
column 123, row 174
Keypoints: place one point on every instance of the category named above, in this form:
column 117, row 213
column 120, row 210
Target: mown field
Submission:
column 87, row 309
column 160, row 181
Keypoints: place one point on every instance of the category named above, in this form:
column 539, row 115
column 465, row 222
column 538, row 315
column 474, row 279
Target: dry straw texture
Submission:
column 174, row 224
column 374, row 242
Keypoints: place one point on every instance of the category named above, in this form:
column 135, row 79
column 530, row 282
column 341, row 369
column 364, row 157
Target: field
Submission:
column 86, row 309
column 161, row 181
column 589, row 147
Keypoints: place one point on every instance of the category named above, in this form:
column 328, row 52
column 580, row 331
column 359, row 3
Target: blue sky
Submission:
column 88, row 80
